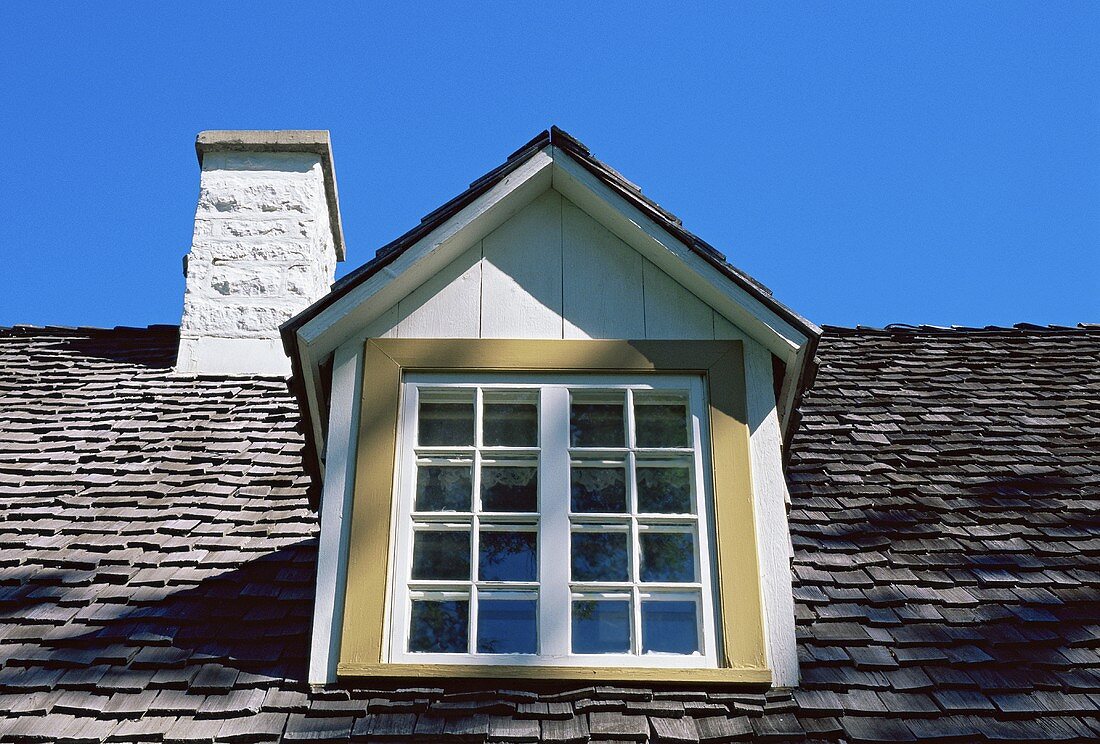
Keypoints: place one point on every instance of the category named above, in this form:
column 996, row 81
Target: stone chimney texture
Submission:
column 266, row 242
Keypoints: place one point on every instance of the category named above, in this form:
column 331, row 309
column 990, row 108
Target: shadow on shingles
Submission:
column 155, row 346
column 253, row 619
column 1029, row 611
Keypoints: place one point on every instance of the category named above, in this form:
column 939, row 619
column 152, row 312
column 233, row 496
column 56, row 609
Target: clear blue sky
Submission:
column 871, row 163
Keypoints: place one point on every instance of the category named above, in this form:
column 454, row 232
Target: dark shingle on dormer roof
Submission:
column 157, row 558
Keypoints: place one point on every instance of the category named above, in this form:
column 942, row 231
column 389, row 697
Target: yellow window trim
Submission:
column 738, row 596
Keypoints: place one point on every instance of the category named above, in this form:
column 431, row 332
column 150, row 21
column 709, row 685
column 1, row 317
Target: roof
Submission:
column 156, row 577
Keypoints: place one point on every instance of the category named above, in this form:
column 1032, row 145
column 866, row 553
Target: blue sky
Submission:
column 871, row 163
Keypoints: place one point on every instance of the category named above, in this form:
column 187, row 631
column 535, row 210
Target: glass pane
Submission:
column 664, row 490
column 510, row 424
column 667, row 556
column 507, row 556
column 443, row 488
column 441, row 555
column 598, row 490
column 601, row 627
column 439, row 627
column 600, row 556
column 597, row 421
column 669, row 627
column 446, row 422
column 506, row 626
column 509, row 489
column 660, row 424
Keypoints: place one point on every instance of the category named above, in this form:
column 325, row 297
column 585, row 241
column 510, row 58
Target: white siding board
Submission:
column 521, row 293
column 671, row 311
column 601, row 280
column 448, row 305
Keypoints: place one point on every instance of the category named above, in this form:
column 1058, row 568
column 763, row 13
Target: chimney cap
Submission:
column 282, row 140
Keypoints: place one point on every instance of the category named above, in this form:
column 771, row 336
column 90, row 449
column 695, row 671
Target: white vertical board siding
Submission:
column 448, row 305
column 773, row 538
column 602, row 294
column 672, row 312
column 521, row 273
column 551, row 271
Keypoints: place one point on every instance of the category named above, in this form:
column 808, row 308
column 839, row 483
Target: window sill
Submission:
column 598, row 674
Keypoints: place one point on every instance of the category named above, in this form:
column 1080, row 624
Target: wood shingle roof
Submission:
column 158, row 549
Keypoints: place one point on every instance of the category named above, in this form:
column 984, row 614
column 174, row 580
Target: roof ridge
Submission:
column 25, row 329
column 896, row 329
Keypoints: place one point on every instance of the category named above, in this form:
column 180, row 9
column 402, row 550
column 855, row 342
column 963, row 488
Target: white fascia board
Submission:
column 346, row 318
column 311, row 372
column 674, row 258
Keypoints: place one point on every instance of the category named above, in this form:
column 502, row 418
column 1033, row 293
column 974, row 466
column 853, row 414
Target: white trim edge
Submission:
column 328, row 609
column 773, row 539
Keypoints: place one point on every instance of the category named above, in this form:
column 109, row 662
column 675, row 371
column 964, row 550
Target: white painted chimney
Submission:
column 266, row 242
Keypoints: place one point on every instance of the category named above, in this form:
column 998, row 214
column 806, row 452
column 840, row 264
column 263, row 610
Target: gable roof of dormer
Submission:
column 552, row 157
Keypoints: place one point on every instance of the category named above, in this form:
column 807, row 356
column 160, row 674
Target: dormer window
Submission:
column 560, row 520
column 553, row 507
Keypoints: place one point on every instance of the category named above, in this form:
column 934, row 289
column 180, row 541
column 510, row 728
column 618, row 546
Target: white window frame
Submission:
column 554, row 524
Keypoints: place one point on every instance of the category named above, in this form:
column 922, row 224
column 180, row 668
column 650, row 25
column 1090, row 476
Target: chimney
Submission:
column 266, row 242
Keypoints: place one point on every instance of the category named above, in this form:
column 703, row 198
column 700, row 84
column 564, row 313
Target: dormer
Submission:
column 550, row 424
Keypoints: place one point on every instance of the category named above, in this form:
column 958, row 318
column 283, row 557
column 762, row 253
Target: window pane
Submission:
column 597, row 421
column 510, row 424
column 439, row 627
column 669, row 627
column 660, row 425
column 443, row 488
column 664, row 490
column 600, row 556
column 506, row 626
column 667, row 556
column 507, row 556
column 601, row 627
column 441, row 555
column 598, row 490
column 509, row 489
column 449, row 422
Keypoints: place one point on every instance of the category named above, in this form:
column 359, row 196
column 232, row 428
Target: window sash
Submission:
column 553, row 522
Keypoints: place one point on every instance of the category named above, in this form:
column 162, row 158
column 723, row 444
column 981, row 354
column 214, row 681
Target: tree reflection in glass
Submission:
column 668, row 556
column 439, row 626
column 664, row 490
column 601, row 627
column 507, row 556
column 600, row 556
column 598, row 489
column 506, row 626
column 441, row 555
